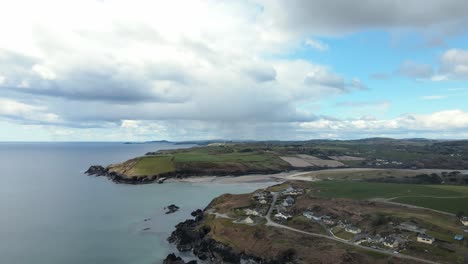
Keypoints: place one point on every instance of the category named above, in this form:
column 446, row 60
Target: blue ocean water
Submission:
column 50, row 212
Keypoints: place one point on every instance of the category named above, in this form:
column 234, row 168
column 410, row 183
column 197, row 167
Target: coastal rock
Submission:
column 171, row 209
column 190, row 235
column 97, row 170
column 173, row 259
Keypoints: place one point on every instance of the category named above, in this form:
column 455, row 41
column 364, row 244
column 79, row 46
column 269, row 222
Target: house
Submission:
column 292, row 191
column 308, row 214
column 459, row 237
column 464, row 220
column 352, row 229
column 311, row 215
column 288, row 201
column 328, row 220
column 390, row 242
column 262, row 201
column 407, row 226
column 282, row 216
column 247, row 220
column 425, row 239
column 251, row 212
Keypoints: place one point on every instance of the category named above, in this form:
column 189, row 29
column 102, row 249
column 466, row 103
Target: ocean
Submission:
column 50, row 212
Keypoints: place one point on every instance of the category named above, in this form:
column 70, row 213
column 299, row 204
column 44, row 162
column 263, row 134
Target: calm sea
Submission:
column 50, row 212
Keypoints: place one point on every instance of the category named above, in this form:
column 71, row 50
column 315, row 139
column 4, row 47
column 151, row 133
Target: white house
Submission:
column 263, row 201
column 352, row 229
column 283, row 216
column 425, row 239
column 251, row 212
column 247, row 220
column 464, row 220
column 311, row 215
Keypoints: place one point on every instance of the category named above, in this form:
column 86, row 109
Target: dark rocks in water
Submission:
column 172, row 208
column 147, row 219
column 173, row 259
column 191, row 235
column 146, row 229
column 97, row 170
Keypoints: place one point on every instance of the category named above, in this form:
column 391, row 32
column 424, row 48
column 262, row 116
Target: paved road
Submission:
column 334, row 238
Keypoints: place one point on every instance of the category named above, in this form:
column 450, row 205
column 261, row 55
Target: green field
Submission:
column 451, row 205
column 152, row 165
column 409, row 193
column 223, row 160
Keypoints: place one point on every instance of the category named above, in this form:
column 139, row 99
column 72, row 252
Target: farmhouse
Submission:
column 352, row 229
column 425, row 239
column 459, row 237
column 464, row 220
column 292, row 191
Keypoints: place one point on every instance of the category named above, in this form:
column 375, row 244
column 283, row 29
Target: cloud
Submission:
column 433, row 97
column 322, row 17
column 417, row 70
column 15, row 110
column 364, row 104
column 379, row 76
column 316, row 44
column 443, row 121
column 454, row 64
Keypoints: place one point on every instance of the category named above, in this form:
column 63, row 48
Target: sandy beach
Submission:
column 285, row 176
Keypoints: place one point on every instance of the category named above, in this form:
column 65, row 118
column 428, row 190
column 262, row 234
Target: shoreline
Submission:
column 286, row 176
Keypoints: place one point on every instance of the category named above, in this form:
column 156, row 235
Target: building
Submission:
column 251, row 212
column 407, row 226
column 288, row 201
column 464, row 220
column 311, row 215
column 282, row 216
column 459, row 237
column 328, row 220
column 352, row 229
column 390, row 242
column 425, row 239
column 262, row 201
column 247, row 220
column 292, row 191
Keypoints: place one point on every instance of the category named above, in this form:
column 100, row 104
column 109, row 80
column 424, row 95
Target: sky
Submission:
column 115, row 70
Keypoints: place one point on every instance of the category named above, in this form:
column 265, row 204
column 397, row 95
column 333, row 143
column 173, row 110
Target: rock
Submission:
column 146, row 229
column 173, row 259
column 172, row 208
column 97, row 170
column 147, row 219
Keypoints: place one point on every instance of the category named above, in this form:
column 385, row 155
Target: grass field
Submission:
column 428, row 196
column 360, row 174
column 153, row 165
column 451, row 205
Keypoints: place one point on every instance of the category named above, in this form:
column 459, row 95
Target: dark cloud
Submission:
column 333, row 17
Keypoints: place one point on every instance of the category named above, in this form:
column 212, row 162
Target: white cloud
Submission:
column 25, row 112
column 316, row 44
column 448, row 120
column 454, row 63
column 433, row 97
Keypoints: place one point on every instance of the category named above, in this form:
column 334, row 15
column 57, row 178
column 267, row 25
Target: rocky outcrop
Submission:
column 192, row 235
column 171, row 209
column 97, row 170
column 173, row 259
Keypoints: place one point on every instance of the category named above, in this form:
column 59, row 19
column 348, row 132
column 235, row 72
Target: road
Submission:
column 334, row 238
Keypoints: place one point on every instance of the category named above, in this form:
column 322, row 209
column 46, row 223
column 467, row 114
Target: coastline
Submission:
column 286, row 176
